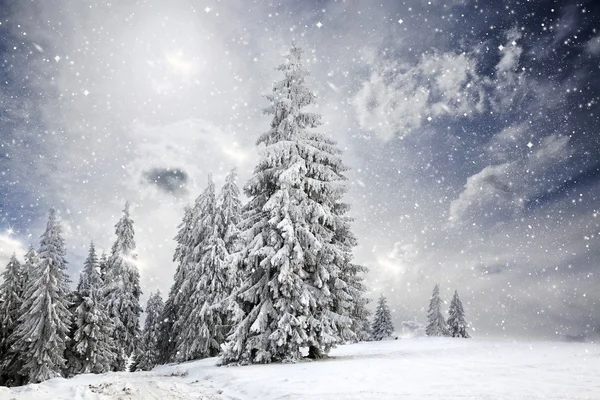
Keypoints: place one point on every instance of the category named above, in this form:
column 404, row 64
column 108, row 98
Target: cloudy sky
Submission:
column 472, row 130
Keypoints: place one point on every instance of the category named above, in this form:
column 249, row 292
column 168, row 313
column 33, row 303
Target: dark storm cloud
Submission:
column 169, row 180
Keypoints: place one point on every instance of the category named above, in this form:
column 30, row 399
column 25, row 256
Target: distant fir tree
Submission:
column 72, row 360
column 93, row 345
column 203, row 318
column 292, row 292
column 31, row 260
column 103, row 265
column 11, row 294
column 382, row 327
column 43, row 328
column 148, row 353
column 356, row 303
column 169, row 330
column 230, row 213
column 436, row 323
column 122, row 291
column 457, row 326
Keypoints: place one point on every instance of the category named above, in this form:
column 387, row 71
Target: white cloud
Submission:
column 511, row 53
column 399, row 97
column 593, row 45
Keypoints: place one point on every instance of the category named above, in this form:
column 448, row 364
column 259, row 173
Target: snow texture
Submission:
column 411, row 369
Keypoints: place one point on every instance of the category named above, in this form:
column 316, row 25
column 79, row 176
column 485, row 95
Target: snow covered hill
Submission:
column 421, row 368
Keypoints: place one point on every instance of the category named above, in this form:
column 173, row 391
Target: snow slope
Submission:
column 421, row 368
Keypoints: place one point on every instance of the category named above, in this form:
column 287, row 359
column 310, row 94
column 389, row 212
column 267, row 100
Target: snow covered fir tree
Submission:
column 93, row 344
column 382, row 327
column 11, row 293
column 436, row 323
column 40, row 337
column 202, row 320
column 122, row 292
column 148, row 351
column 296, row 260
column 457, row 326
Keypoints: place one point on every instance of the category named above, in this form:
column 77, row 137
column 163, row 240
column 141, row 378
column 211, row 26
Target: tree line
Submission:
column 254, row 283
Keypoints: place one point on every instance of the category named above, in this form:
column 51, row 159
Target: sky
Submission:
column 471, row 129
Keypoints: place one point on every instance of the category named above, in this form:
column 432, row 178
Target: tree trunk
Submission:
column 314, row 353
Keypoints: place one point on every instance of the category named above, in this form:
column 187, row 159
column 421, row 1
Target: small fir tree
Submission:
column 229, row 213
column 148, row 355
column 11, row 294
column 92, row 341
column 382, row 327
column 436, row 323
column 457, row 326
column 103, row 265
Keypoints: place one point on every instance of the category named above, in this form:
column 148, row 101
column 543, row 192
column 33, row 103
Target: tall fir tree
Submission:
column 457, row 326
column 169, row 333
column 148, row 354
column 436, row 323
column 382, row 327
column 43, row 328
column 122, row 291
column 203, row 319
column 11, row 293
column 93, row 345
column 292, row 266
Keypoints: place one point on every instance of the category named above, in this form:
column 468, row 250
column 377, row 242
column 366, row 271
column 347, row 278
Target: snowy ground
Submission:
column 424, row 368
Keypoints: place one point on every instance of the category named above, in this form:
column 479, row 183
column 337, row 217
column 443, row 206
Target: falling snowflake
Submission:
column 207, row 9
column 85, row 92
column 400, row 21
column 319, row 24
column 530, row 145
column 500, row 47
column 57, row 58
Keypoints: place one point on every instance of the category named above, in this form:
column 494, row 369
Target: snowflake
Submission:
column 85, row 92
column 400, row 21
column 530, row 145
column 500, row 47
column 57, row 58
column 319, row 24
column 207, row 9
